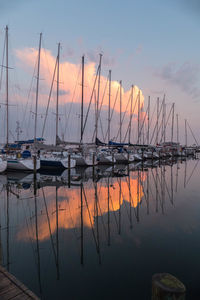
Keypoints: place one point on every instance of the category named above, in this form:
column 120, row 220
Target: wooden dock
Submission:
column 11, row 288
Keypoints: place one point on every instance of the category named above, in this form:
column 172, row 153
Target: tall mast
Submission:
column 185, row 132
column 177, row 133
column 131, row 115
column 164, row 117
column 98, row 91
column 120, row 113
column 157, row 120
column 139, row 118
column 109, row 98
column 7, row 115
column 57, row 95
column 172, row 133
column 82, row 98
column 37, row 88
column 148, row 120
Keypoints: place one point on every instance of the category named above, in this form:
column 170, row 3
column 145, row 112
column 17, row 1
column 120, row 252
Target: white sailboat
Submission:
column 56, row 160
column 15, row 162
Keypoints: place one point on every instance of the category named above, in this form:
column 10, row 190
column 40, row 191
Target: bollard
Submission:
column 167, row 287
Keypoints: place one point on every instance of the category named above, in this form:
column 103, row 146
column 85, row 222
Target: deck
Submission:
column 11, row 288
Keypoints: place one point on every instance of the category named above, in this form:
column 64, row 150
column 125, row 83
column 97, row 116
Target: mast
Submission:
column 131, row 115
column 109, row 98
column 37, row 88
column 177, row 133
column 148, row 120
column 185, row 132
column 57, row 95
column 120, row 113
column 157, row 120
column 164, row 116
column 7, row 115
column 82, row 98
column 139, row 118
column 172, row 133
column 98, row 91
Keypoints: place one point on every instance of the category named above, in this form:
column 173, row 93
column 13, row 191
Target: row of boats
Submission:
column 32, row 158
column 79, row 175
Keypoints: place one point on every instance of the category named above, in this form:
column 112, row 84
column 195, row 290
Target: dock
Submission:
column 11, row 288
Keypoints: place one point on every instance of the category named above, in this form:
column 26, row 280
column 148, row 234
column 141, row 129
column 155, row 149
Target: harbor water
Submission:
column 101, row 233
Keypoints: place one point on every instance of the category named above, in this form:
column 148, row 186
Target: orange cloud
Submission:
column 69, row 72
column 69, row 208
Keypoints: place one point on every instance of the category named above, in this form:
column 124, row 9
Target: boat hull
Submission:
column 62, row 164
column 3, row 166
column 22, row 165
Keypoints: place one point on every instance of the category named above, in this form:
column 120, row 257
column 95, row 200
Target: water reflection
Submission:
column 97, row 205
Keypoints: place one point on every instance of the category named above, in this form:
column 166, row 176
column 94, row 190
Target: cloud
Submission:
column 185, row 76
column 70, row 97
column 70, row 78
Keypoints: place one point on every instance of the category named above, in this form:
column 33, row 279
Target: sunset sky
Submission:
column 151, row 44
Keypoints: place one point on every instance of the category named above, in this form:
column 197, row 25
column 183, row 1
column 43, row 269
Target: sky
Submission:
column 153, row 45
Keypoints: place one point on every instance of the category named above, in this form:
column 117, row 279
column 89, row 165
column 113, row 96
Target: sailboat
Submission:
column 3, row 162
column 15, row 161
column 56, row 160
column 83, row 158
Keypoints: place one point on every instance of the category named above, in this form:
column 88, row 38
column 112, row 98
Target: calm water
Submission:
column 102, row 237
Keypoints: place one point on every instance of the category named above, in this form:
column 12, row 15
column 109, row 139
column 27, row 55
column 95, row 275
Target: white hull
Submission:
column 3, row 165
column 22, row 164
column 105, row 159
column 56, row 162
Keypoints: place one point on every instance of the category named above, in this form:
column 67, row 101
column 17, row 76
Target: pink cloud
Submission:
column 70, row 75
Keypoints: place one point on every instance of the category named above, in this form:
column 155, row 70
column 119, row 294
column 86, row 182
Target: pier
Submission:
column 11, row 288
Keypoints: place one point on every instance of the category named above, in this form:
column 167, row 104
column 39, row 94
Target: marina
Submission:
column 99, row 150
